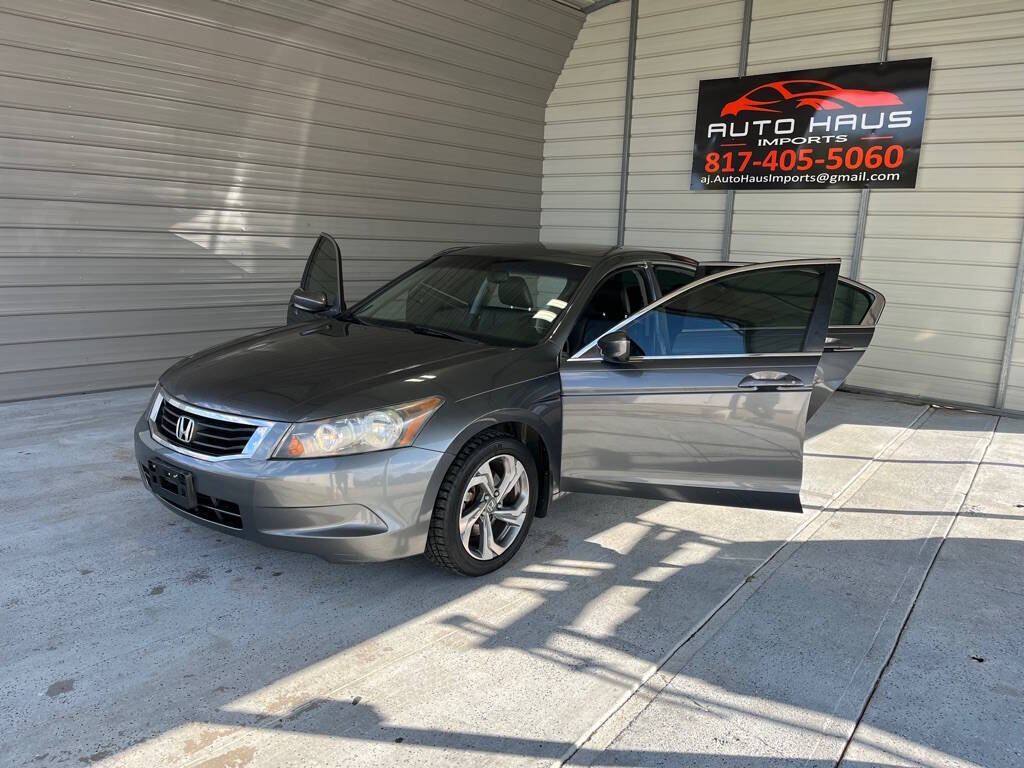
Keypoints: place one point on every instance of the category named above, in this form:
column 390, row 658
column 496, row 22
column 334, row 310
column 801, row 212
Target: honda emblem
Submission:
column 185, row 429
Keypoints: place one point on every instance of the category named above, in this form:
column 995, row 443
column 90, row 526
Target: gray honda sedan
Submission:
column 441, row 414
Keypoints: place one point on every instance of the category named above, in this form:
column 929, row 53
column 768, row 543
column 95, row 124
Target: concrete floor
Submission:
column 880, row 627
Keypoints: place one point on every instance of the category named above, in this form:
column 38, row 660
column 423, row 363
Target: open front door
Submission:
column 703, row 395
column 322, row 290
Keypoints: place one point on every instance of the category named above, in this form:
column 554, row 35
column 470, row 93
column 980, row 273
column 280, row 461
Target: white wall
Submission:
column 167, row 163
column 944, row 254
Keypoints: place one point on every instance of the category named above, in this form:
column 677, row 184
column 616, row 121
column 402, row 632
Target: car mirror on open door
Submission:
column 309, row 301
column 321, row 288
column 615, row 347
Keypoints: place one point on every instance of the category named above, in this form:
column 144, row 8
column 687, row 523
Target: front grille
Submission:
column 213, row 437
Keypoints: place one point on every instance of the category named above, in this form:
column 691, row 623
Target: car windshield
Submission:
column 490, row 299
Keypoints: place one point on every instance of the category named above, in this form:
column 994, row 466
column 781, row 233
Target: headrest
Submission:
column 513, row 292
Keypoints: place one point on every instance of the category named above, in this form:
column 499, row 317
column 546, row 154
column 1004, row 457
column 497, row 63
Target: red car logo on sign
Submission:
column 816, row 94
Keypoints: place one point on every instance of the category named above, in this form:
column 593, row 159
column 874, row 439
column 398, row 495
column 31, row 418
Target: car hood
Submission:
column 328, row 368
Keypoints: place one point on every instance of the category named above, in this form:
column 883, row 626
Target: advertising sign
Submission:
column 848, row 127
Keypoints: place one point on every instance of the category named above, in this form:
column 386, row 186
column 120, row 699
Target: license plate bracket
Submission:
column 169, row 482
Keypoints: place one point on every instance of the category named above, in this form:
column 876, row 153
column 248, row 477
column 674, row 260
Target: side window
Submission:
column 618, row 297
column 755, row 312
column 850, row 306
column 322, row 270
column 671, row 278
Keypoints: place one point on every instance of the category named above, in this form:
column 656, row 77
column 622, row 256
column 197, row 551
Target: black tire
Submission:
column 444, row 545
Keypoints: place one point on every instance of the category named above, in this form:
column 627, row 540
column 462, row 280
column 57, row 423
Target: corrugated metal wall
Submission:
column 677, row 47
column 167, row 163
column 944, row 254
column 798, row 35
column 583, row 133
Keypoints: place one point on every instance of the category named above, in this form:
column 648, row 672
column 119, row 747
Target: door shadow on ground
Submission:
column 563, row 583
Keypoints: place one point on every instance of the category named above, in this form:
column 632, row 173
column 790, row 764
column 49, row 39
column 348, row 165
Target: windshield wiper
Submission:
column 427, row 331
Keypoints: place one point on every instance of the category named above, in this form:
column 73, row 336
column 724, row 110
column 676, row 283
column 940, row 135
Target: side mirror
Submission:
column 615, row 347
column 309, row 301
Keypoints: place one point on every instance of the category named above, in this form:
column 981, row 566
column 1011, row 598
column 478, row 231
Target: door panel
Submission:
column 844, row 347
column 723, row 425
column 322, row 273
column 685, row 430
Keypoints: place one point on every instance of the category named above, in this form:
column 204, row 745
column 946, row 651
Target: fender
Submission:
column 545, row 419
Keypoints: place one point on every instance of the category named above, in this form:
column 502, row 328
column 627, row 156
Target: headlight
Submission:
column 375, row 430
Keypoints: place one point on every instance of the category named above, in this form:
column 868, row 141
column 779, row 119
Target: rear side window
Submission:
column 851, row 305
column 671, row 278
column 750, row 313
column 322, row 272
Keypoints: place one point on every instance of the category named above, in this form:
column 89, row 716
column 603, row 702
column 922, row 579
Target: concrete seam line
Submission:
column 840, row 496
column 834, row 724
column 917, row 595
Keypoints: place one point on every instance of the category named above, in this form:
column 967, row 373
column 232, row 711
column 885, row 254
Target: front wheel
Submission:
column 485, row 505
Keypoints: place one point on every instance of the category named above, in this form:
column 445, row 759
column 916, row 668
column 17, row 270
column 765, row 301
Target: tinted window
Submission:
column 322, row 272
column 497, row 300
column 754, row 312
column 618, row 297
column 850, row 306
column 671, row 278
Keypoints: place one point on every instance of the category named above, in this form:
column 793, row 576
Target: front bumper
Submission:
column 364, row 507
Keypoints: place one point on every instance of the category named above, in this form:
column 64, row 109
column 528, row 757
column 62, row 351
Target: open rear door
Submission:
column 322, row 288
column 851, row 327
column 702, row 396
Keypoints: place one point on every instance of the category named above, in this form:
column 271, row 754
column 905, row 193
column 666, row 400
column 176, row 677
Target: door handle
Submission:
column 835, row 345
column 769, row 380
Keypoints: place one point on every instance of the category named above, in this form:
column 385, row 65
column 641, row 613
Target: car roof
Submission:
column 581, row 254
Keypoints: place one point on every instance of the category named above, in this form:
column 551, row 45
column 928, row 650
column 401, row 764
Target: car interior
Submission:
column 619, row 296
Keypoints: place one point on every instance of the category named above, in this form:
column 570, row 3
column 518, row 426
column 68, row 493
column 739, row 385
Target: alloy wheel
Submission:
column 494, row 507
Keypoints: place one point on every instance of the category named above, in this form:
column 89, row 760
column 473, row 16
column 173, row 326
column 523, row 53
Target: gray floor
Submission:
column 880, row 627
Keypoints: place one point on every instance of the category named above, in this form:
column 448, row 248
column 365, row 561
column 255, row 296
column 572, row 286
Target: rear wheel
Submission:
column 485, row 505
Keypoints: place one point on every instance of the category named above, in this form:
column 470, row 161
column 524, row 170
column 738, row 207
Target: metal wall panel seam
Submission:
column 237, row 83
column 1011, row 328
column 505, row 12
column 326, row 52
column 273, row 116
column 865, row 193
column 296, row 167
column 741, row 70
column 455, row 62
column 456, row 21
column 627, row 120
